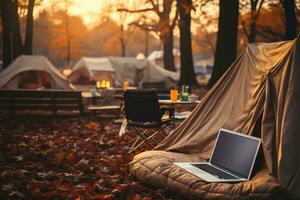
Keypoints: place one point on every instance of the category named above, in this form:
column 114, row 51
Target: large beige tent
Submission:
column 259, row 95
column 33, row 72
column 120, row 69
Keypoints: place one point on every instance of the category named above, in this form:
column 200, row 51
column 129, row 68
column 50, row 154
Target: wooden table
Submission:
column 88, row 94
column 169, row 102
column 181, row 115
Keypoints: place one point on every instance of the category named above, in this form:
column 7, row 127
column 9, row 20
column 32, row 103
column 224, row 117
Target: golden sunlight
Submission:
column 89, row 10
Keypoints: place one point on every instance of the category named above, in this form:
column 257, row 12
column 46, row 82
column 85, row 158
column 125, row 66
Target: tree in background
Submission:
column 67, row 29
column 98, row 41
column 270, row 25
column 123, row 18
column 67, row 47
column 163, row 27
column 29, row 28
column 6, row 28
column 226, row 38
column 187, row 73
column 255, row 7
column 12, row 40
column 290, row 19
column 204, row 42
column 205, row 18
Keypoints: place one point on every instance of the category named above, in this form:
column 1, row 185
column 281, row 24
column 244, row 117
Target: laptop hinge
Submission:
column 227, row 171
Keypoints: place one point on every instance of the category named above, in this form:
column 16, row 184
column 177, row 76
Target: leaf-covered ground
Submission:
column 43, row 157
column 67, row 158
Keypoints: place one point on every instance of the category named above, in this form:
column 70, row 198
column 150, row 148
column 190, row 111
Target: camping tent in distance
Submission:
column 91, row 69
column 120, row 69
column 258, row 95
column 33, row 72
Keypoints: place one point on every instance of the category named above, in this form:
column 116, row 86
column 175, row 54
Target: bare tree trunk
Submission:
column 146, row 43
column 255, row 7
column 162, row 28
column 166, row 31
column 122, row 41
column 12, row 40
column 227, row 38
column 5, row 7
column 168, row 56
column 253, row 18
column 252, row 35
column 187, row 73
column 67, row 29
column 29, row 28
column 68, row 56
column 290, row 19
column 15, row 30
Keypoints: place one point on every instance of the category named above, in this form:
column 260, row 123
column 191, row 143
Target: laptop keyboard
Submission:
column 214, row 171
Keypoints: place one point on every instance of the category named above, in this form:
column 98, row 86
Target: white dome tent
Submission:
column 33, row 72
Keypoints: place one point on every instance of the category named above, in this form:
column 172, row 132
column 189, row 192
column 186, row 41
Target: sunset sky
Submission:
column 89, row 10
column 92, row 10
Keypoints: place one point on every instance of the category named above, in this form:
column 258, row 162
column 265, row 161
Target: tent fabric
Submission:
column 93, row 69
column 94, row 64
column 10, row 76
column 136, row 71
column 261, row 86
column 158, row 54
column 139, row 71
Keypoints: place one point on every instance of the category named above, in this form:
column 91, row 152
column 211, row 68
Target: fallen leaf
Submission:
column 100, row 197
column 91, row 125
column 59, row 157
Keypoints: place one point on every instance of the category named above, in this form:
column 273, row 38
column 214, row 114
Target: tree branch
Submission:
column 155, row 7
column 245, row 30
column 269, row 34
column 145, row 27
column 135, row 11
column 174, row 20
column 258, row 9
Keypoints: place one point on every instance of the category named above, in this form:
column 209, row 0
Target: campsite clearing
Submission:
column 63, row 157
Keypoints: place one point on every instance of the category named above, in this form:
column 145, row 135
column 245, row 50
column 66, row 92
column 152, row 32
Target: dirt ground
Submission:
column 68, row 157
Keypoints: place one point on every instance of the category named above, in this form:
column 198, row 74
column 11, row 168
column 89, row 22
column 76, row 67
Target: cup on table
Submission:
column 125, row 85
column 173, row 95
column 184, row 96
column 193, row 98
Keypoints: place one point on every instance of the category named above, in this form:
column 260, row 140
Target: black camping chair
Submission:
column 143, row 113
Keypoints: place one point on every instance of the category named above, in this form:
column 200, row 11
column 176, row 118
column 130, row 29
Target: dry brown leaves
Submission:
column 67, row 158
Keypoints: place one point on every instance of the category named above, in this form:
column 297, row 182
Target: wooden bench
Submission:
column 42, row 100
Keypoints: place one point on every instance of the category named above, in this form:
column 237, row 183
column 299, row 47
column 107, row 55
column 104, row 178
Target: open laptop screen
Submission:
column 235, row 152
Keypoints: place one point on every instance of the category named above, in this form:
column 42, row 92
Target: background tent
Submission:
column 259, row 95
column 89, row 70
column 32, row 72
column 120, row 69
column 139, row 71
column 157, row 57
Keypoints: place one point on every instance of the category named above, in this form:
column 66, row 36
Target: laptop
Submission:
column 232, row 159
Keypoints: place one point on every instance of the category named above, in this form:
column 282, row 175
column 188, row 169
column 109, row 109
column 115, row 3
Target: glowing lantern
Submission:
column 98, row 84
column 107, row 84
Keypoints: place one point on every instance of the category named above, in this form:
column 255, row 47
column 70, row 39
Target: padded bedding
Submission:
column 156, row 169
